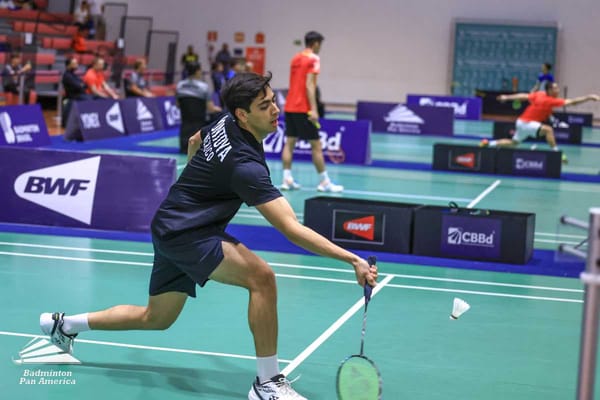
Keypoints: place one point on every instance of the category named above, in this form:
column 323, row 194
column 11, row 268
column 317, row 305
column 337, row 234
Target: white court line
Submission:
column 561, row 235
column 91, row 250
column 92, row 260
column 283, row 265
column 483, row 194
column 150, row 254
column 555, row 241
column 431, row 278
column 515, row 296
column 142, row 347
column 332, row 329
column 401, row 195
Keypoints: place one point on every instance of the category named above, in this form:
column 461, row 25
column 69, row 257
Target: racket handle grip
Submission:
column 372, row 260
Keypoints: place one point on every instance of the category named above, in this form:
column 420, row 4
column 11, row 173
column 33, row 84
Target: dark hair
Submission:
column 312, row 37
column 549, row 86
column 242, row 89
column 548, row 66
column 192, row 68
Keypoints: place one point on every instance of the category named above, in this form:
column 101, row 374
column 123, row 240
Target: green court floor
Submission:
column 519, row 340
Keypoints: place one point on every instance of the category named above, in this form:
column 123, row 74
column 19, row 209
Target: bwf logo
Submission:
column 362, row 227
column 67, row 189
column 457, row 236
column 466, row 160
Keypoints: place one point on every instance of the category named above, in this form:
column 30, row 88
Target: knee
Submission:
column 263, row 278
column 156, row 321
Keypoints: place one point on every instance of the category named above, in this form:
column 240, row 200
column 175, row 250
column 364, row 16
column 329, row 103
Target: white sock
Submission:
column 555, row 148
column 75, row 324
column 267, row 367
column 287, row 174
column 324, row 176
column 493, row 143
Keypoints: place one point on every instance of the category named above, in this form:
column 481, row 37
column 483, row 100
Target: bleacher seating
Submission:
column 44, row 28
column 57, row 43
column 34, row 15
column 100, row 46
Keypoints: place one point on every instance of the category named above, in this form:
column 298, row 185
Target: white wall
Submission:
column 381, row 49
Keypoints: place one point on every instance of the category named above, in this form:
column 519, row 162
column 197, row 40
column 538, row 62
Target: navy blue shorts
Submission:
column 185, row 260
column 299, row 126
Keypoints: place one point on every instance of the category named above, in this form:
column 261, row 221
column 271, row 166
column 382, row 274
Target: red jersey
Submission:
column 540, row 107
column 302, row 64
column 95, row 78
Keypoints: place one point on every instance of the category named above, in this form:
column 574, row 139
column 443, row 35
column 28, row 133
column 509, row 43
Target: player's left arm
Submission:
column 311, row 93
column 281, row 215
column 194, row 144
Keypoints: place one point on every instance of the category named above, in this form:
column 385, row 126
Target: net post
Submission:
column 591, row 307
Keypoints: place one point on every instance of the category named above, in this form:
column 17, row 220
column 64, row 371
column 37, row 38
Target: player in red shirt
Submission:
column 302, row 115
column 96, row 81
column 531, row 122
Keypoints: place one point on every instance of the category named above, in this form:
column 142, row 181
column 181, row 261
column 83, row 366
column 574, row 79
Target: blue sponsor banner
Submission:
column 468, row 108
column 23, row 126
column 529, row 163
column 171, row 116
column 476, row 237
column 343, row 142
column 571, row 118
column 95, row 119
column 407, row 119
column 141, row 115
column 82, row 190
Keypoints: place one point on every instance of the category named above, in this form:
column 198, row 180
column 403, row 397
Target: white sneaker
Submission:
column 51, row 325
column 290, row 184
column 328, row 186
column 278, row 388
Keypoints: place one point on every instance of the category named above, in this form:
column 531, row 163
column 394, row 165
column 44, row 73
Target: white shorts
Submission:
column 526, row 129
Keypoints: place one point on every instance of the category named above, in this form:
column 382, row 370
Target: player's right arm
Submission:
column 582, row 99
column 281, row 215
column 516, row 96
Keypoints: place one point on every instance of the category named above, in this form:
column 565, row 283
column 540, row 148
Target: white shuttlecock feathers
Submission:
column 459, row 308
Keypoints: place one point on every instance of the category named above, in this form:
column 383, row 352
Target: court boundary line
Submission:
column 146, row 347
column 299, row 359
column 134, row 263
column 483, row 194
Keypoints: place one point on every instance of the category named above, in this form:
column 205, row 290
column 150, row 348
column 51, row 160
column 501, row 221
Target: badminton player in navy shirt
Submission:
column 225, row 169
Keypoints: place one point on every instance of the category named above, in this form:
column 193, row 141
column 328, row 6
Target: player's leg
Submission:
column 500, row 143
column 241, row 267
column 307, row 130
column 548, row 132
column 287, row 154
column 159, row 314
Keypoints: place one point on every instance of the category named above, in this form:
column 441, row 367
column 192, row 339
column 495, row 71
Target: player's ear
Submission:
column 241, row 114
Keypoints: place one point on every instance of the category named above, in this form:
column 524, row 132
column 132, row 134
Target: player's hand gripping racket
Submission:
column 358, row 377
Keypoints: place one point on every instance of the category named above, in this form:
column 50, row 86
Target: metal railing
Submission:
column 591, row 306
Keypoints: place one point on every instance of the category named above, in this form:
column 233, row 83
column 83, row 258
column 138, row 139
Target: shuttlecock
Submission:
column 459, row 308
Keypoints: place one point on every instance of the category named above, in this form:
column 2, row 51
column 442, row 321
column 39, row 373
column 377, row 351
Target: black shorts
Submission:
column 188, row 259
column 299, row 126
